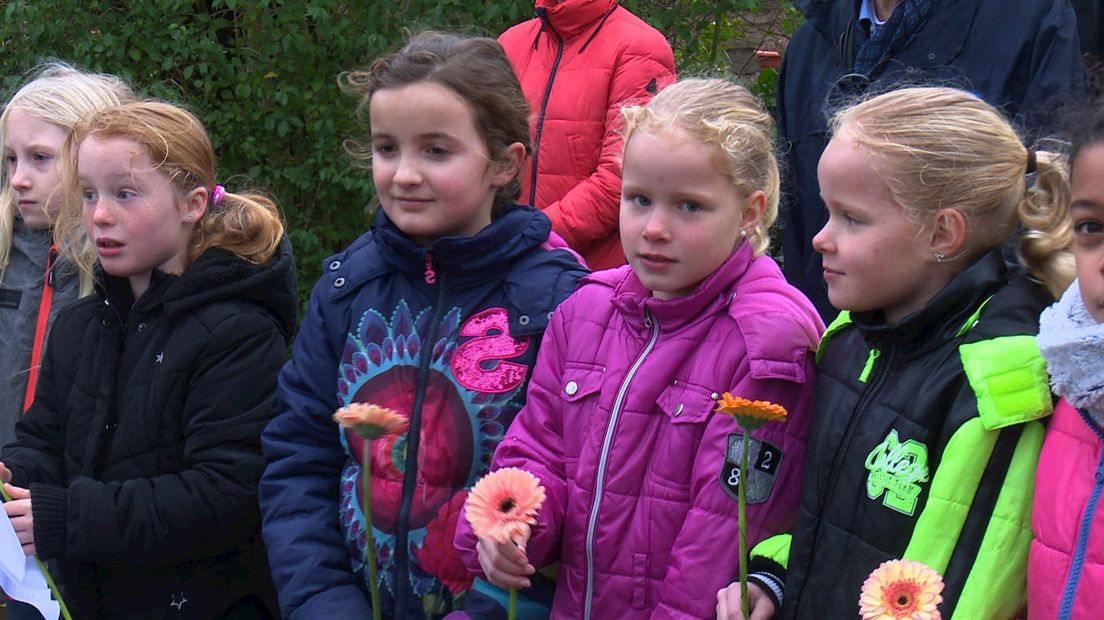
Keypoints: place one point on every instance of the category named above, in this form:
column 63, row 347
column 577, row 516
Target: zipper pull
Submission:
column 430, row 274
column 874, row 353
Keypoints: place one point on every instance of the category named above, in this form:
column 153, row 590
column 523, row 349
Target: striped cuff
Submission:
column 772, row 584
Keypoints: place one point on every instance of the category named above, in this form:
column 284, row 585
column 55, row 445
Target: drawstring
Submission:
column 44, row 305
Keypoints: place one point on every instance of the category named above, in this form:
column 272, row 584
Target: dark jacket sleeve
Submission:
column 299, row 491
column 1057, row 71
column 211, row 503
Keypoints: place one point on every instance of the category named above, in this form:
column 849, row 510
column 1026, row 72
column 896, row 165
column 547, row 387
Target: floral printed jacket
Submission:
column 446, row 335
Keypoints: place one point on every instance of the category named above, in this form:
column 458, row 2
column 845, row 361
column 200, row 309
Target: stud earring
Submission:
column 743, row 234
column 939, row 257
column 188, row 219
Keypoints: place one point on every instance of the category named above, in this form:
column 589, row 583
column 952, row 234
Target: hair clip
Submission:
column 218, row 194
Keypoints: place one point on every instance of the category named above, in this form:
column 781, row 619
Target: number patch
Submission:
column 764, row 458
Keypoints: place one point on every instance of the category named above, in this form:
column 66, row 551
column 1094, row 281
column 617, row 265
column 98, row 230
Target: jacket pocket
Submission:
column 685, row 403
column 685, row 411
column 580, row 382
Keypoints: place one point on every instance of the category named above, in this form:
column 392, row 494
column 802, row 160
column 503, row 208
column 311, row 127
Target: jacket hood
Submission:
column 490, row 251
column 219, row 274
column 570, row 18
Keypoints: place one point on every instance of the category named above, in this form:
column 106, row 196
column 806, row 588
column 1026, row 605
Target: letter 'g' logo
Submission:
column 896, row 469
column 479, row 364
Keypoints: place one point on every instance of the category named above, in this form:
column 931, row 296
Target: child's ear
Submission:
column 508, row 164
column 195, row 204
column 753, row 209
column 948, row 233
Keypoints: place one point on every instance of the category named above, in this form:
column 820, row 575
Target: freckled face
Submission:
column 132, row 212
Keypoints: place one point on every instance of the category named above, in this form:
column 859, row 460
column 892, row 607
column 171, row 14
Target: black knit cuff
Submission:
column 50, row 511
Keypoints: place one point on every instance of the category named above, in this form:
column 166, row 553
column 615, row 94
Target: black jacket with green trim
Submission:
column 923, row 445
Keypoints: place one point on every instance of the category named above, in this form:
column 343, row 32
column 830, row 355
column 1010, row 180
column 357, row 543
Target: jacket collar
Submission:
column 945, row 315
column 487, row 254
column 632, row 299
column 571, row 18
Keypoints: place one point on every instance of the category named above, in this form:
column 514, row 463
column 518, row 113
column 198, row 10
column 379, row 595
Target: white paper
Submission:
column 20, row 577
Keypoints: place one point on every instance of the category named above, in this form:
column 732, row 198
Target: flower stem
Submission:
column 45, row 573
column 369, row 537
column 742, row 502
column 512, row 612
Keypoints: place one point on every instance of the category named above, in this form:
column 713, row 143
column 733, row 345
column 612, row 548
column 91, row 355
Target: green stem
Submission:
column 369, row 537
column 742, row 502
column 512, row 613
column 45, row 573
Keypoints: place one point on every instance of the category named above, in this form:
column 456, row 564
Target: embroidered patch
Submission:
column 763, row 460
column 897, row 469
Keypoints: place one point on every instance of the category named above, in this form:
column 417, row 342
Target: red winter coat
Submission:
column 579, row 62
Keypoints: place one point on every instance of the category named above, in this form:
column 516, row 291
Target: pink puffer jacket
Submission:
column 639, row 470
column 1071, row 471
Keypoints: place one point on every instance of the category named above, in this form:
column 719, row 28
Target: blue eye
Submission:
column 88, row 195
column 641, row 201
column 691, row 207
column 1088, row 227
column 383, row 150
column 125, row 194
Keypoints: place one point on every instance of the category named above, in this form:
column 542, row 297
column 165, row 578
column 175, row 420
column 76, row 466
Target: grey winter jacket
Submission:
column 20, row 293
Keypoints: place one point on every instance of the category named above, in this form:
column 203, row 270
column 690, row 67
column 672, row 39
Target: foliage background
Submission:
column 262, row 77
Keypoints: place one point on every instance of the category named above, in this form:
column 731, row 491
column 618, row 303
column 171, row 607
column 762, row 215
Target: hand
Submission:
column 728, row 603
column 5, row 473
column 21, row 516
column 505, row 565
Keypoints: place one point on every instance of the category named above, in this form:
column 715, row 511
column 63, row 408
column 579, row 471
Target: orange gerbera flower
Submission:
column 750, row 414
column 901, row 590
column 371, row 421
column 502, row 501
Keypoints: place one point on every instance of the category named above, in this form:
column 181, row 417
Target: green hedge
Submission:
column 262, row 77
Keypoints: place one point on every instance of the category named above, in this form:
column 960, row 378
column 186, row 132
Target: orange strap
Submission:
column 40, row 327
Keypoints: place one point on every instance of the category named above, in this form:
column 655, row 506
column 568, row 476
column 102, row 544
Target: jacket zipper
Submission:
column 413, row 439
column 1069, row 593
column 600, row 483
column 881, row 374
column 543, row 108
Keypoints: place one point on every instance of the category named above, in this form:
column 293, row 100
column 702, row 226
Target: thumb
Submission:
column 521, row 536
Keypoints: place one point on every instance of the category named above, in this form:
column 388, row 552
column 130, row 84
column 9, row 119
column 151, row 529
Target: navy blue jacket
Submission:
column 446, row 335
column 1022, row 56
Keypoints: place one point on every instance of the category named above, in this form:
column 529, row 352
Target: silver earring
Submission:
column 939, row 257
column 188, row 219
column 743, row 234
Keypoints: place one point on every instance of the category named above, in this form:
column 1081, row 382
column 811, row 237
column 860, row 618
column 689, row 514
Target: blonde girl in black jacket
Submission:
column 137, row 466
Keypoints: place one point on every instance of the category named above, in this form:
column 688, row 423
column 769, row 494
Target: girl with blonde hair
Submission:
column 34, row 285
column 931, row 392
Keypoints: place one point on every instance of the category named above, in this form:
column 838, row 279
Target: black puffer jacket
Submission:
column 924, row 442
column 142, row 449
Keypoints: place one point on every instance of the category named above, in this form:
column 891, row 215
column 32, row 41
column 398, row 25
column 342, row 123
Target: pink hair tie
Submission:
column 218, row 194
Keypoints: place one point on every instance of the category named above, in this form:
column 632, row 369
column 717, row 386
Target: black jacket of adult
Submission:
column 142, row 449
column 1022, row 56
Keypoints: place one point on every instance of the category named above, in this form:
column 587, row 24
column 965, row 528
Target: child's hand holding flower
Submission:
column 19, row 512
column 500, row 508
